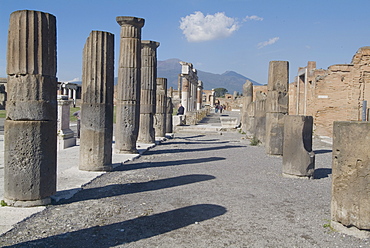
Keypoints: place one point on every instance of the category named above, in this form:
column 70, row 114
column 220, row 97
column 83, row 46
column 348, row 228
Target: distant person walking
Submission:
column 180, row 110
column 216, row 108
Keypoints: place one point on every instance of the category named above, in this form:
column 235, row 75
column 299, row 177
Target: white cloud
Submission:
column 197, row 27
column 71, row 81
column 253, row 18
column 267, row 43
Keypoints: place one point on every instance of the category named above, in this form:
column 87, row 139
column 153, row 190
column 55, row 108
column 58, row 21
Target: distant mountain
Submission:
column 229, row 80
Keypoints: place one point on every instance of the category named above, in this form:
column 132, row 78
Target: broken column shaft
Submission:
column 160, row 115
column 97, row 102
column 30, row 145
column 148, row 91
column 277, row 103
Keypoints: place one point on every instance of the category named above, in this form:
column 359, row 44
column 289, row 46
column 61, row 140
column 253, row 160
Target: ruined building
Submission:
column 336, row 94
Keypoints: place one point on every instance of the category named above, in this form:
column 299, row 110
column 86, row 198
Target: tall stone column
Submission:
column 30, row 127
column 277, row 104
column 199, row 94
column 169, row 111
column 148, row 91
column 350, row 202
column 212, row 98
column 247, row 99
column 128, row 88
column 97, row 102
column 185, row 93
column 160, row 115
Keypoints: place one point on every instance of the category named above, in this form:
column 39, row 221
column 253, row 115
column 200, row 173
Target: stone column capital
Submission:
column 131, row 21
column 150, row 43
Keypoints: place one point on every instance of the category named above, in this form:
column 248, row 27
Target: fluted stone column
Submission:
column 212, row 98
column 97, row 102
column 350, row 202
column 277, row 103
column 199, row 94
column 148, row 91
column 160, row 115
column 185, row 93
column 247, row 99
column 128, row 88
column 169, row 111
column 298, row 157
column 30, row 147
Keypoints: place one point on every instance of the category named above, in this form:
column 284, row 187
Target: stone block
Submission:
column 298, row 157
column 30, row 160
column 146, row 132
column 277, row 102
column 96, row 151
column 229, row 122
column 274, row 133
column 32, row 97
column 278, row 79
column 127, row 126
column 350, row 203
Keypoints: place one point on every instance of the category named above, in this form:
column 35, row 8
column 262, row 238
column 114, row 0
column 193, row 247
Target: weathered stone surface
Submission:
column 31, row 97
column 126, row 135
column 274, row 133
column 350, row 204
column 32, row 43
column 161, row 104
column 169, row 110
column 97, row 102
column 30, row 129
column 128, row 89
column 247, row 99
column 278, row 79
column 30, row 160
column 277, row 102
column 259, row 125
column 276, row 106
column 96, row 137
column 298, row 157
column 148, row 91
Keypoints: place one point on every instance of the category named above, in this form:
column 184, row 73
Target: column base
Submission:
column 353, row 231
column 25, row 204
column 100, row 168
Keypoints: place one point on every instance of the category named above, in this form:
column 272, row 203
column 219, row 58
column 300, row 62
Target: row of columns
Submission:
column 190, row 88
column 291, row 137
column 31, row 124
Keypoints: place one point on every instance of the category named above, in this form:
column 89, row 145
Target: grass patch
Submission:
column 3, row 203
column 254, row 141
column 2, row 113
column 328, row 226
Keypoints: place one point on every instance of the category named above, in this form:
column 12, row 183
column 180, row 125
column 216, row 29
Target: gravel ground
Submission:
column 206, row 190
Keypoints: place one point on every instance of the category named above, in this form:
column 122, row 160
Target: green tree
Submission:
column 220, row 92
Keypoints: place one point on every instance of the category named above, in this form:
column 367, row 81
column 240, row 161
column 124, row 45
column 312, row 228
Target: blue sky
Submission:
column 215, row 35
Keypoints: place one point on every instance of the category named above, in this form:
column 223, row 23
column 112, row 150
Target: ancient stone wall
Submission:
column 335, row 94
